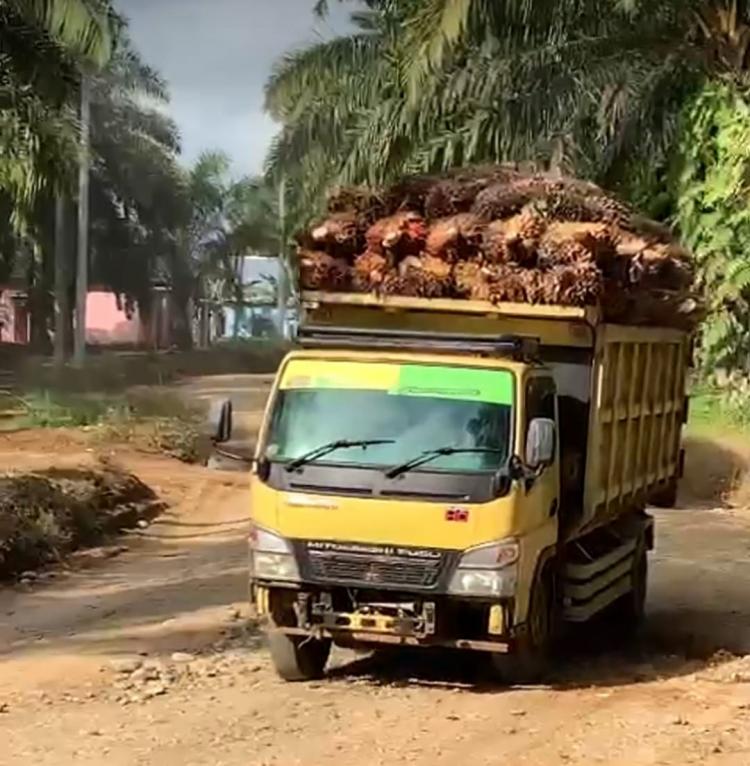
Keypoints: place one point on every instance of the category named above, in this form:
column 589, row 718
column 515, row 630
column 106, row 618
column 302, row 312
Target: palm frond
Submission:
column 303, row 75
column 83, row 26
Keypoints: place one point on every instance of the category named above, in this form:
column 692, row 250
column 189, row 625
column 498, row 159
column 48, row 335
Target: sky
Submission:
column 216, row 56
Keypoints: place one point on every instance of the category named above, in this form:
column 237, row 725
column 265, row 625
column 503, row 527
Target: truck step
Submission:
column 582, row 572
column 583, row 612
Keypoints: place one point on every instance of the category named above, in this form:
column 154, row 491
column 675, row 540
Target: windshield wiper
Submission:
column 326, row 449
column 434, row 454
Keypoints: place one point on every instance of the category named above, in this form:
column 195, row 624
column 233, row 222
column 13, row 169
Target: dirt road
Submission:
column 146, row 658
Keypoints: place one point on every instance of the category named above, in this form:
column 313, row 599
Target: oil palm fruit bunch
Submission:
column 457, row 238
column 340, row 235
column 369, row 271
column 504, row 234
column 367, row 204
column 580, row 284
column 320, row 271
column 470, row 280
column 505, row 284
column 399, row 235
column 522, row 234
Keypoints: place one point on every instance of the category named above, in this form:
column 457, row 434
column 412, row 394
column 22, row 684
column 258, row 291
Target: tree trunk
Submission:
column 239, row 311
column 283, row 286
column 181, row 319
column 283, row 297
column 39, row 305
column 204, row 325
column 62, row 308
column 82, row 275
column 69, row 317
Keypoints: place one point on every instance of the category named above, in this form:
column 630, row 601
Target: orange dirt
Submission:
column 180, row 587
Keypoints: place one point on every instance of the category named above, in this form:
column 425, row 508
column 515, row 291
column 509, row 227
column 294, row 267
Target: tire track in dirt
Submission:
column 658, row 702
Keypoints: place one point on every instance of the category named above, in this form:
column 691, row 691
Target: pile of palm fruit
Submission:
column 496, row 234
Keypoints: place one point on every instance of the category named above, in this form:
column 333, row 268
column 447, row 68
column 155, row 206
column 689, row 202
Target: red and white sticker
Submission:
column 457, row 514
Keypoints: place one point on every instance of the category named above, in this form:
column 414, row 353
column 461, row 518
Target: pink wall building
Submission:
column 14, row 317
column 107, row 324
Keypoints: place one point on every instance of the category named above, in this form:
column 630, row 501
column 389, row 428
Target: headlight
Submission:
column 488, row 570
column 271, row 557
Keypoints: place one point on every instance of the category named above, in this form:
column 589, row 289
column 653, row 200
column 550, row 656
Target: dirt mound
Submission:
column 48, row 514
column 717, row 470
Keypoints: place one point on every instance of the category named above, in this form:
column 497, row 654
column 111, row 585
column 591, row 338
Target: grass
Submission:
column 48, row 409
column 710, row 412
column 151, row 418
column 121, row 395
column 116, row 371
column 718, row 455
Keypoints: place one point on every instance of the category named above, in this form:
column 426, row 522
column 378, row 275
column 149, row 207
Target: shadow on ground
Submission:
column 173, row 589
column 699, row 602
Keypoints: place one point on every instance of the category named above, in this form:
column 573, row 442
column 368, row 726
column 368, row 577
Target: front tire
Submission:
column 530, row 658
column 298, row 658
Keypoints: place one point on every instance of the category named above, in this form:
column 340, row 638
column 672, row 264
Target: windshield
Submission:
column 415, row 407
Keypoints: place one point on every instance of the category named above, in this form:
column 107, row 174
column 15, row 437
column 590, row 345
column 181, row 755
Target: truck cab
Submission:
column 414, row 486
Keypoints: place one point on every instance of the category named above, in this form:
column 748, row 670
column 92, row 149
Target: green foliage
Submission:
column 84, row 27
column 154, row 418
column 42, row 45
column 424, row 85
column 715, row 409
column 231, row 218
column 47, row 409
column 711, row 184
column 47, row 514
column 139, row 194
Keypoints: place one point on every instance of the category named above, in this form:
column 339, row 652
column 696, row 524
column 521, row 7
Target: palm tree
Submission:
column 139, row 194
column 587, row 85
column 649, row 98
column 231, row 218
column 42, row 45
column 331, row 99
column 82, row 27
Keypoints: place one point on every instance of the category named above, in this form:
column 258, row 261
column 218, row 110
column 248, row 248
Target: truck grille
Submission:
column 410, row 570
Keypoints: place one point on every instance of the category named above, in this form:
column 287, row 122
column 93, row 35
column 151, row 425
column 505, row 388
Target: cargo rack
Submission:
column 516, row 347
column 591, row 315
column 550, row 326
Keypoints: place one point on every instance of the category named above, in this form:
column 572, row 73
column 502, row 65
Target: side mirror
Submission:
column 220, row 421
column 540, row 443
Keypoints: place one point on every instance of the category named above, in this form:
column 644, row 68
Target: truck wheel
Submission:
column 666, row 496
column 630, row 610
column 298, row 658
column 529, row 659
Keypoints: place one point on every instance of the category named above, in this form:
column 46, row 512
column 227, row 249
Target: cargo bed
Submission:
column 632, row 379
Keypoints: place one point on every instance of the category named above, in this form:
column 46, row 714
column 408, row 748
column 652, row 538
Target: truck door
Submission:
column 541, row 402
column 539, row 502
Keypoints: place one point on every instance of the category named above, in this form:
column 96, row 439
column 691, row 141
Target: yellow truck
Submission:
column 449, row 473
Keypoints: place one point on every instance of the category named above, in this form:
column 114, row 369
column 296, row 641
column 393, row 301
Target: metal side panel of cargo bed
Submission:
column 635, row 423
column 554, row 326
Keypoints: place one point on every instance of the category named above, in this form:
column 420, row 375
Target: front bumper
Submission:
column 408, row 621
